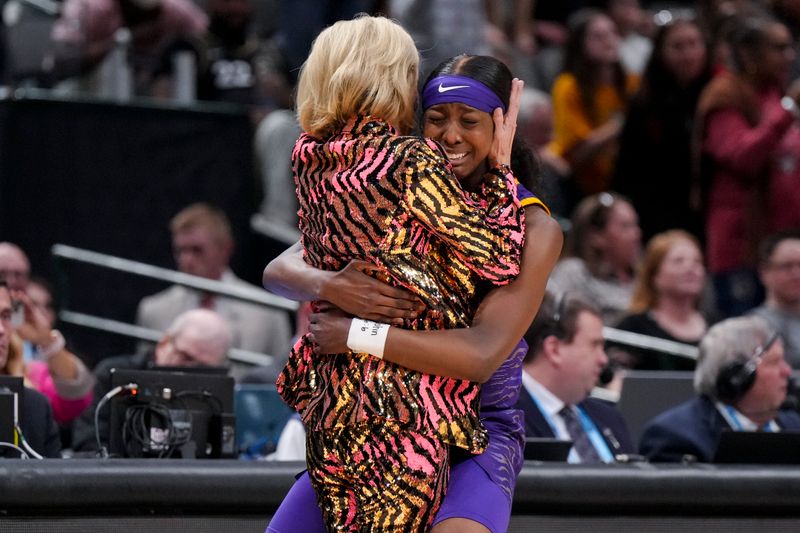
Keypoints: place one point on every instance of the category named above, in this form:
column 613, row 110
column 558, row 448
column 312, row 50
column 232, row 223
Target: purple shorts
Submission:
column 471, row 495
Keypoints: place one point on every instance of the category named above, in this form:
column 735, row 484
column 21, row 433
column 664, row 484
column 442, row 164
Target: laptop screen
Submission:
column 758, row 447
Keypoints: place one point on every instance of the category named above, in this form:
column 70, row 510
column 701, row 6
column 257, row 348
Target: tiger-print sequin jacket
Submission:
column 367, row 193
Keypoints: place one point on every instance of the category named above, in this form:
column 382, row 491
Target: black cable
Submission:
column 101, row 450
column 203, row 395
column 137, row 430
column 22, row 454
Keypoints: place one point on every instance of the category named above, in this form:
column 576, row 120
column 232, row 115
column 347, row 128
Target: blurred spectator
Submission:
column 741, row 381
column 788, row 12
column 302, row 20
column 45, row 362
column 273, row 145
column 546, row 22
column 589, row 100
column 232, row 64
column 446, row 28
column 654, row 166
column 631, row 21
column 198, row 337
column 749, row 143
column 15, row 268
column 84, row 34
column 602, row 250
column 718, row 18
column 562, row 366
column 202, row 243
column 665, row 302
column 779, row 269
column 36, row 418
column 535, row 124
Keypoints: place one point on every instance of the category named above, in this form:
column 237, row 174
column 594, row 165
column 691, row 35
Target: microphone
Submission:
column 606, row 375
column 792, row 401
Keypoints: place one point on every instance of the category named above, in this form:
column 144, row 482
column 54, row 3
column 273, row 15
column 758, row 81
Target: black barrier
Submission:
column 89, row 495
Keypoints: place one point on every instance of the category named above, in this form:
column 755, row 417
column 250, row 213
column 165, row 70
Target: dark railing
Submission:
column 89, row 495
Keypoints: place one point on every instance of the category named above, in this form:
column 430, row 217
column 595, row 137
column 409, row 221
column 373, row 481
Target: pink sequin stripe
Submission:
column 439, row 400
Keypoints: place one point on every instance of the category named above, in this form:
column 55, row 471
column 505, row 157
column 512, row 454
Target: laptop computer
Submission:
column 647, row 393
column 758, row 447
column 546, row 449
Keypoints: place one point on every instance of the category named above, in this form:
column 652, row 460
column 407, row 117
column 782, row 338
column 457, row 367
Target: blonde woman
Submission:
column 379, row 454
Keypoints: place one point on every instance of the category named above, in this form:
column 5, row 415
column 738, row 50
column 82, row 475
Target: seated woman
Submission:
column 48, row 366
column 589, row 100
column 665, row 304
column 603, row 247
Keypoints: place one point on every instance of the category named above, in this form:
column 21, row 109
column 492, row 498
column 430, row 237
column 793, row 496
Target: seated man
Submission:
column 779, row 269
column 198, row 337
column 36, row 419
column 202, row 242
column 741, row 380
column 564, row 360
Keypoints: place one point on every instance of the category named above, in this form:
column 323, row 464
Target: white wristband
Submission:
column 366, row 336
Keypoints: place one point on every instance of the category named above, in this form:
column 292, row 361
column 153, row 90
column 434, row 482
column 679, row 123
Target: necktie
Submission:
column 580, row 439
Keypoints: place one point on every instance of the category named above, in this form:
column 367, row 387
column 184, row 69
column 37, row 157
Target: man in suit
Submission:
column 202, row 243
column 562, row 366
column 741, row 380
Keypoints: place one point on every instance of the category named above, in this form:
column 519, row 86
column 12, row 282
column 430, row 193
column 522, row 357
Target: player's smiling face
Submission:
column 464, row 132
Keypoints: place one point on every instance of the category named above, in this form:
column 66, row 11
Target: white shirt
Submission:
column 552, row 406
column 739, row 422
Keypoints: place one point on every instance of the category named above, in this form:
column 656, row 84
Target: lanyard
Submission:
column 588, row 426
column 594, row 436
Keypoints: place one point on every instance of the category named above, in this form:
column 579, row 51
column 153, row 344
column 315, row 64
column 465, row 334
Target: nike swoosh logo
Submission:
column 443, row 89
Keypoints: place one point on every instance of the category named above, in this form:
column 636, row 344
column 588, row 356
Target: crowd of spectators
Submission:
column 669, row 127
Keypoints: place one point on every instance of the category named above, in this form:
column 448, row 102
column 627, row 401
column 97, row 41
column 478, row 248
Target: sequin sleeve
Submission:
column 486, row 231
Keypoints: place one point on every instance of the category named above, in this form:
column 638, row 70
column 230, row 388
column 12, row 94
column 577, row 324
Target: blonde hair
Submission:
column 365, row 66
column 645, row 295
column 203, row 215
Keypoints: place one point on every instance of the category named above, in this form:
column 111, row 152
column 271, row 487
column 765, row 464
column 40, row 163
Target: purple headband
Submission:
column 462, row 90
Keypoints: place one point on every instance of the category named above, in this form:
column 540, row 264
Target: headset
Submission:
column 735, row 379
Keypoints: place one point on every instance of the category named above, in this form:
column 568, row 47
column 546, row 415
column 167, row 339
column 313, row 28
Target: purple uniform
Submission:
column 481, row 486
